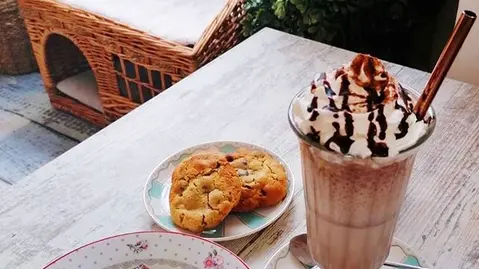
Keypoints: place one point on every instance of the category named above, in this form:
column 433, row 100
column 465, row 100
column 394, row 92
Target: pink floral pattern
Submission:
column 148, row 250
column 138, row 247
column 213, row 261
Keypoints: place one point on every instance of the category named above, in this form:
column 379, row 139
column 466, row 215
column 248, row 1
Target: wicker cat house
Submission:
column 129, row 66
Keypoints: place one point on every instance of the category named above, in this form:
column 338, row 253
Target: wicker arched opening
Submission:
column 63, row 59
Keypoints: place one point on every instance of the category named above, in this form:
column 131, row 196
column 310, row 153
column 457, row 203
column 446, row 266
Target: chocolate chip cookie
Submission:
column 264, row 181
column 205, row 188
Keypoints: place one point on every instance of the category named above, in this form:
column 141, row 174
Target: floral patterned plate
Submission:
column 400, row 252
column 150, row 250
column 236, row 225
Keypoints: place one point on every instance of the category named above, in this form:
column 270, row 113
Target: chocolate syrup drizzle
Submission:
column 373, row 99
column 313, row 105
column 332, row 106
column 313, row 87
column 378, row 149
column 344, row 142
column 327, row 89
column 403, row 125
column 314, row 115
column 383, row 125
column 339, row 73
column 344, row 92
column 349, row 127
column 314, row 135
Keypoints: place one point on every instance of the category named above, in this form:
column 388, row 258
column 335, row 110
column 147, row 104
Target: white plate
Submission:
column 400, row 252
column 236, row 225
column 150, row 250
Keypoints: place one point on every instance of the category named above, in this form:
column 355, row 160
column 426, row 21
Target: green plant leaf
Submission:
column 313, row 29
column 315, row 15
column 300, row 5
column 279, row 8
column 335, row 7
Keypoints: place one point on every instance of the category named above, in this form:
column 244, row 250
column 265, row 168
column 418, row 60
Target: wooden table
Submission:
column 95, row 189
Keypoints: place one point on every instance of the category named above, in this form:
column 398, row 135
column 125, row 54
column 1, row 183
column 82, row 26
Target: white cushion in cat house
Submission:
column 83, row 88
column 182, row 21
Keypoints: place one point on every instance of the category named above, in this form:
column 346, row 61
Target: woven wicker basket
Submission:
column 16, row 55
column 130, row 66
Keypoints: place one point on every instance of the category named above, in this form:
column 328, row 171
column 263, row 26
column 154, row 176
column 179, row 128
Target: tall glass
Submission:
column 352, row 204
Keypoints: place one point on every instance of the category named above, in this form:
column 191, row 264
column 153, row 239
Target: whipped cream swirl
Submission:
column 360, row 110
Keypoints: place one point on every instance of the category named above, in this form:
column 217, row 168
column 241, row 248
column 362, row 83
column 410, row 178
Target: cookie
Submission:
column 264, row 181
column 205, row 188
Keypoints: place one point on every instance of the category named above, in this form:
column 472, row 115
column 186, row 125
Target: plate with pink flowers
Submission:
column 150, row 250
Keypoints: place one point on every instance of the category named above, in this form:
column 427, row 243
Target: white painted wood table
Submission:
column 95, row 189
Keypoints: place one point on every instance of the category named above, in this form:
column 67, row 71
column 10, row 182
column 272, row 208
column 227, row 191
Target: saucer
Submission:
column 400, row 252
column 236, row 225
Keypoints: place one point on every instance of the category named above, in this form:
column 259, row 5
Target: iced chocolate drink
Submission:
column 358, row 140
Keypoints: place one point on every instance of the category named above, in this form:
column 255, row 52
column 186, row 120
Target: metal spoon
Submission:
column 298, row 245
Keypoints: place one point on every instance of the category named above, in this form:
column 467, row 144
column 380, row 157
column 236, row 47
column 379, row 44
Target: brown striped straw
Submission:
column 448, row 55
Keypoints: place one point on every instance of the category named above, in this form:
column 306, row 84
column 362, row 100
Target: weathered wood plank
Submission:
column 26, row 146
column 445, row 188
column 4, row 187
column 25, row 96
column 94, row 190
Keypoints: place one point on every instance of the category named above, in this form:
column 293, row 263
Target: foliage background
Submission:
column 383, row 28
